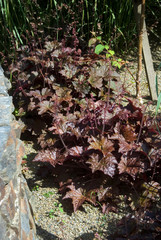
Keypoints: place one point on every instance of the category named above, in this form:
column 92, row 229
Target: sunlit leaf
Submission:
column 106, row 47
column 103, row 144
column 44, row 106
column 131, row 164
column 111, row 52
column 92, row 41
column 124, row 146
column 52, row 157
column 96, row 83
column 75, row 151
column 99, row 38
column 128, row 133
column 99, row 48
column 76, row 195
column 103, row 193
column 106, row 164
column 69, row 70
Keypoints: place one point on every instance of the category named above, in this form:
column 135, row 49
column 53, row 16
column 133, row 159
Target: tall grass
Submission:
column 113, row 19
column 13, row 20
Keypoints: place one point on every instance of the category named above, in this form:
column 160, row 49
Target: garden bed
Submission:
column 54, row 216
column 96, row 192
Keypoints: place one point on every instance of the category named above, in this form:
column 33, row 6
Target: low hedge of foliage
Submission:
column 81, row 115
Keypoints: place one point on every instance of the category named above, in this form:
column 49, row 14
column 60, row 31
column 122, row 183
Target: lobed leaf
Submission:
column 133, row 164
column 50, row 156
column 106, row 164
column 76, row 195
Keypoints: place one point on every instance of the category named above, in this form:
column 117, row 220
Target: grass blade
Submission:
column 156, row 80
column 158, row 104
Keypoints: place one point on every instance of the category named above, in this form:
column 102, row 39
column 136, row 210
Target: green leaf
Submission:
column 111, row 52
column 51, row 193
column 116, row 64
column 108, row 55
column 51, row 213
column 46, row 195
column 99, row 38
column 119, row 59
column 61, row 210
column 99, row 48
column 16, row 112
column 25, row 157
column 35, row 188
column 106, row 47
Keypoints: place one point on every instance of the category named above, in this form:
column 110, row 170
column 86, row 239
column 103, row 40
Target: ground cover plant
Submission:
column 82, row 118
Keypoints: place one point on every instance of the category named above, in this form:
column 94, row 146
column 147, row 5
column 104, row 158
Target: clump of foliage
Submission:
column 76, row 107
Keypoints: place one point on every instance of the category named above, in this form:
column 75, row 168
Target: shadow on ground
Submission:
column 45, row 235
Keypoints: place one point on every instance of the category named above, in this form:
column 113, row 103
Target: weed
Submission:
column 104, row 47
column 58, row 208
column 36, row 188
column 48, row 194
column 25, row 157
column 51, row 213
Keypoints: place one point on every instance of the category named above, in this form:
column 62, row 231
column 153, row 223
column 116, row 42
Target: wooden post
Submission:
column 148, row 62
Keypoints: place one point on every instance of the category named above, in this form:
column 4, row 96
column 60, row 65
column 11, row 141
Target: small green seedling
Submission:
column 103, row 46
column 35, row 188
column 48, row 194
column 51, row 213
column 25, row 157
column 16, row 112
column 59, row 206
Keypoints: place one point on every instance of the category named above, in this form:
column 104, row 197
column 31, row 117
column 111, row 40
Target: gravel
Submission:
column 127, row 75
column 54, row 217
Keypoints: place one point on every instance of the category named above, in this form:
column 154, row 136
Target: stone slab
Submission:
column 8, row 166
column 6, row 109
column 16, row 215
column 3, row 89
column 2, row 228
column 3, row 80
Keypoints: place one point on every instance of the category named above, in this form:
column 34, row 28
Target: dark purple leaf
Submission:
column 132, row 163
column 107, row 164
column 76, row 195
column 52, row 157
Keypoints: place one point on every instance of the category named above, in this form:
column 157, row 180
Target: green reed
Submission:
column 114, row 19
